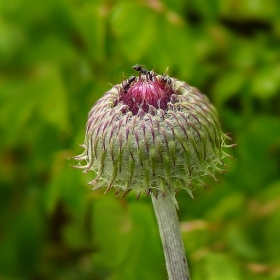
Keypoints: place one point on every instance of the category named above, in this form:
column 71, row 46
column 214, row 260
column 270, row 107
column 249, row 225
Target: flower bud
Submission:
column 152, row 134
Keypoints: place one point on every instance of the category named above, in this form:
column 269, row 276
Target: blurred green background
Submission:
column 57, row 58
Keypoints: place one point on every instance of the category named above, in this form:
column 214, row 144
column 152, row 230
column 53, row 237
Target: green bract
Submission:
column 155, row 150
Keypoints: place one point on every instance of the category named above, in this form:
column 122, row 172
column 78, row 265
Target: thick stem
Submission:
column 173, row 247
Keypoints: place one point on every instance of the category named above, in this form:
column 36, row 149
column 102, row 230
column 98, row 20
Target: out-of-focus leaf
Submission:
column 228, row 85
column 174, row 6
column 50, row 50
column 135, row 27
column 256, row 146
column 145, row 241
column 271, row 229
column 65, row 185
column 226, row 208
column 209, row 9
column 244, row 54
column 17, row 106
column 53, row 105
column 266, row 83
column 219, row 266
column 240, row 244
column 91, row 24
column 248, row 9
column 178, row 49
column 22, row 238
column 111, row 228
column 270, row 193
column 45, row 93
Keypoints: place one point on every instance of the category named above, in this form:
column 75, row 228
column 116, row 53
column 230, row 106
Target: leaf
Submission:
column 219, row 266
column 228, row 85
column 266, row 83
column 53, row 105
column 90, row 22
column 17, row 103
column 226, row 209
column 135, row 27
column 64, row 185
column 241, row 244
column 270, row 236
column 112, row 231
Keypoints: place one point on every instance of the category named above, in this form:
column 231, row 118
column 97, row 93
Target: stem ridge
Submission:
column 173, row 247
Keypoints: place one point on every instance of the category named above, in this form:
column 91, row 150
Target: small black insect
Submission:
column 142, row 70
column 166, row 79
column 128, row 83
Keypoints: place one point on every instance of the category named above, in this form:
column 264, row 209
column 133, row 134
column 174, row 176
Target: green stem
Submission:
column 173, row 247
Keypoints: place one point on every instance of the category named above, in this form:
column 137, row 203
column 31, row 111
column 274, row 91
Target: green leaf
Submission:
column 266, row 83
column 90, row 22
column 112, row 231
column 53, row 105
column 226, row 209
column 219, row 266
column 228, row 85
column 241, row 244
column 134, row 26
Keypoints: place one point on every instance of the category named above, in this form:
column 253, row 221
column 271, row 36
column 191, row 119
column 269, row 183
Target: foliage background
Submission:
column 57, row 58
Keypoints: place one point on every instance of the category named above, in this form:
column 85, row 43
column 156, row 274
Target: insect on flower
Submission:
column 143, row 71
column 152, row 134
column 127, row 83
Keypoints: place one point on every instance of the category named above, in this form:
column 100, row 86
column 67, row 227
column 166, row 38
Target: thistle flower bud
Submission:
column 152, row 134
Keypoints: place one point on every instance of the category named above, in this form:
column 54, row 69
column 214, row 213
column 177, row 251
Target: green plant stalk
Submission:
column 173, row 247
